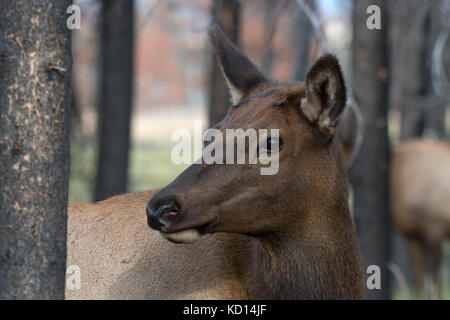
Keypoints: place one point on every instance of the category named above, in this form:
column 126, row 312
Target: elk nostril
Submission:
column 169, row 214
column 161, row 212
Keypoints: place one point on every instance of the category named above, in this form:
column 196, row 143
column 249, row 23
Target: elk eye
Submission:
column 273, row 145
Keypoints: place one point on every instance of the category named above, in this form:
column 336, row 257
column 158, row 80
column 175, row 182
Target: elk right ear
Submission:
column 325, row 95
column 241, row 75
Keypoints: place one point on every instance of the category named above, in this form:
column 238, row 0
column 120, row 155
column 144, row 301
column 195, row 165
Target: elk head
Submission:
column 209, row 198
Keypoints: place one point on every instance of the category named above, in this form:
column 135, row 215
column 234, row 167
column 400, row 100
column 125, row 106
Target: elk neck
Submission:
column 314, row 259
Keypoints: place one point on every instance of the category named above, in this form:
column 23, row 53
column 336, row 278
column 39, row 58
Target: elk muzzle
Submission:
column 162, row 215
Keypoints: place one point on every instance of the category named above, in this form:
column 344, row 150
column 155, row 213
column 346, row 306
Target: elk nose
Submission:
column 162, row 215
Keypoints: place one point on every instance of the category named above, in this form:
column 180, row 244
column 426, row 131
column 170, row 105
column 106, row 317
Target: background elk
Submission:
column 420, row 202
column 232, row 232
column 420, row 205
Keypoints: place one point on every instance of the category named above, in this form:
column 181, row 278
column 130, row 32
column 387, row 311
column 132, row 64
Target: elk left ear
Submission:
column 325, row 95
column 240, row 73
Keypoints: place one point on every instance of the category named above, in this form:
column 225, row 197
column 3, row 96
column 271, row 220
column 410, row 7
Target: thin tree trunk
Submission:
column 409, row 62
column 227, row 14
column 408, row 88
column 34, row 147
column 300, row 39
column 369, row 173
column 115, row 97
column 435, row 110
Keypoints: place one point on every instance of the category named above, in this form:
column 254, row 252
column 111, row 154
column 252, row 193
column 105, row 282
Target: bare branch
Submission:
column 316, row 25
column 399, row 276
column 439, row 78
column 150, row 13
column 440, row 81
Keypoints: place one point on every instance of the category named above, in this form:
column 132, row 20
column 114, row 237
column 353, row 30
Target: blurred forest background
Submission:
column 144, row 68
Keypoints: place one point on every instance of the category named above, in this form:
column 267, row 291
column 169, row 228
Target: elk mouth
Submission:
column 190, row 234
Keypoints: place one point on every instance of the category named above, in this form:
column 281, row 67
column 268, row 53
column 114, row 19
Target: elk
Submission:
column 419, row 201
column 420, row 205
column 226, row 231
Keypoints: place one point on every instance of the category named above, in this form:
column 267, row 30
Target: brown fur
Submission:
column 286, row 236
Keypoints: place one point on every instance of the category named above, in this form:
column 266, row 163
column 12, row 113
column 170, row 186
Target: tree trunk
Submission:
column 408, row 69
column 115, row 97
column 413, row 37
column 369, row 173
column 34, row 149
column 435, row 110
column 409, row 63
column 300, row 39
column 227, row 15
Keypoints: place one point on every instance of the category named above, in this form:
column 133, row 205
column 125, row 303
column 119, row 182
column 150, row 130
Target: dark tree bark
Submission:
column 437, row 102
column 408, row 87
column 409, row 63
column 369, row 173
column 227, row 14
column 300, row 39
column 35, row 76
column 115, row 97
column 412, row 37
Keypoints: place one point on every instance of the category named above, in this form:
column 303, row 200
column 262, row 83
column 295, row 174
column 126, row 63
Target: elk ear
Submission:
column 241, row 75
column 325, row 95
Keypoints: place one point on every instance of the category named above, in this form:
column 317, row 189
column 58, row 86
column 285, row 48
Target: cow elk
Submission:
column 226, row 231
column 420, row 202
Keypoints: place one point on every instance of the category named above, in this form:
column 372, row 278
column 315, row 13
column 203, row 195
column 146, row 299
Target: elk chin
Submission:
column 185, row 236
column 189, row 235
